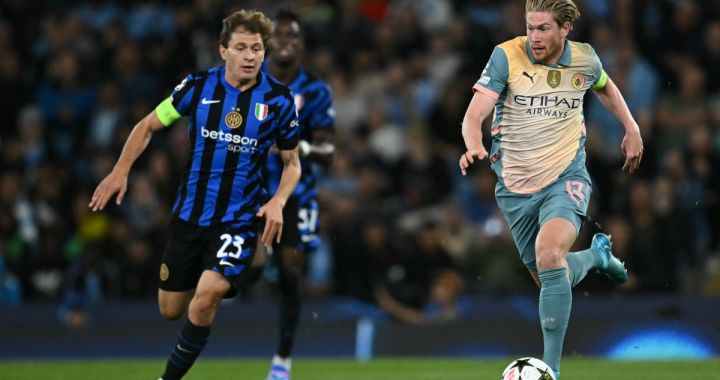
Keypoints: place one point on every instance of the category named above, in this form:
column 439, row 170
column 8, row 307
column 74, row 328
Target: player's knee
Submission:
column 172, row 305
column 171, row 312
column 207, row 299
column 549, row 257
column 203, row 304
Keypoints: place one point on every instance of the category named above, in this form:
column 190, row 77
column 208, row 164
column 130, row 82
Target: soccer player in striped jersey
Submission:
column 536, row 85
column 313, row 101
column 236, row 114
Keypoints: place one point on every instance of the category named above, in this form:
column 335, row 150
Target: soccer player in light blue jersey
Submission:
column 536, row 84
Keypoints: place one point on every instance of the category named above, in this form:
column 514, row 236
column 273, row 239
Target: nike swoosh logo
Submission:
column 223, row 262
column 205, row 101
column 183, row 350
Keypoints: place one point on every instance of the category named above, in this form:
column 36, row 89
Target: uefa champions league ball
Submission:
column 528, row 369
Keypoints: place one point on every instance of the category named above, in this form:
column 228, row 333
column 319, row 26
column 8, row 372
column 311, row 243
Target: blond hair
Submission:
column 251, row 21
column 562, row 10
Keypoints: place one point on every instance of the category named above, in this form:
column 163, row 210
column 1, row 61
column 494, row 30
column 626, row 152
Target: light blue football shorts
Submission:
column 567, row 198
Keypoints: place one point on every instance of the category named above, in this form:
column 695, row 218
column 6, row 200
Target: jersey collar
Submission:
column 565, row 58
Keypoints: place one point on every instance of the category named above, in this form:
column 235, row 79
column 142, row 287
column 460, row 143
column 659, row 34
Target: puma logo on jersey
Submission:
column 532, row 78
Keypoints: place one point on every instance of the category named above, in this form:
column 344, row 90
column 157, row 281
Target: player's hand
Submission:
column 272, row 211
column 303, row 148
column 468, row 158
column 632, row 149
column 115, row 182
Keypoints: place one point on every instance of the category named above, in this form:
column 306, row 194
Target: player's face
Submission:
column 286, row 42
column 243, row 56
column 545, row 36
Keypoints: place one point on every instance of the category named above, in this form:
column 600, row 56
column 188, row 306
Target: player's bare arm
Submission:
column 320, row 150
column 272, row 210
column 116, row 181
column 479, row 109
column 632, row 144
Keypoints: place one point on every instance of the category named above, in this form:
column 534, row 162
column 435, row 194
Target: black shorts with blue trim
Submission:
column 300, row 225
column 227, row 249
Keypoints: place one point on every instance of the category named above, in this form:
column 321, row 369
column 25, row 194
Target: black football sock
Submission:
column 191, row 341
column 290, row 303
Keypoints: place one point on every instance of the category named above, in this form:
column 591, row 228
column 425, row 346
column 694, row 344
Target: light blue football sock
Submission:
column 555, row 304
column 580, row 264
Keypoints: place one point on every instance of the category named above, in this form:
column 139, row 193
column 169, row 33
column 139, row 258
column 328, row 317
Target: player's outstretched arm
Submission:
column 480, row 108
column 632, row 144
column 116, row 181
column 272, row 210
column 320, row 149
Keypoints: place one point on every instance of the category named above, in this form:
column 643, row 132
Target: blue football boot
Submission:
column 611, row 266
column 279, row 369
column 278, row 372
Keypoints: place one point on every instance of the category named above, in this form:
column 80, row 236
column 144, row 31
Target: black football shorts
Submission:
column 227, row 249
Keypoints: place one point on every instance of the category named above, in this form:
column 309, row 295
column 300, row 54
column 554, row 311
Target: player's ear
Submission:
column 223, row 52
column 565, row 28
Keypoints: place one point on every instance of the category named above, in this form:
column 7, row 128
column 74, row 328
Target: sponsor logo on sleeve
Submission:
column 181, row 85
column 484, row 77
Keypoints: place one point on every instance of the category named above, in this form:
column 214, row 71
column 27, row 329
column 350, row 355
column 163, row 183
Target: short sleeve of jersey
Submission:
column 495, row 75
column 323, row 113
column 598, row 72
column 182, row 95
column 288, row 126
column 178, row 104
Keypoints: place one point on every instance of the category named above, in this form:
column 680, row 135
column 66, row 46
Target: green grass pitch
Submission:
column 377, row 369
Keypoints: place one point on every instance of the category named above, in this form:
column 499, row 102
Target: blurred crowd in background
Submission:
column 400, row 225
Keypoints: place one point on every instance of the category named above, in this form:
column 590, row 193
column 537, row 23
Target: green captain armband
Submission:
column 601, row 82
column 166, row 112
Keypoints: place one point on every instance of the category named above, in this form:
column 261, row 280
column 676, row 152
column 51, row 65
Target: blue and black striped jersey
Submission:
column 313, row 100
column 230, row 133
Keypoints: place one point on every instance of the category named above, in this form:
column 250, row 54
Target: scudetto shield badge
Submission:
column 233, row 119
column 261, row 111
column 578, row 80
column 553, row 78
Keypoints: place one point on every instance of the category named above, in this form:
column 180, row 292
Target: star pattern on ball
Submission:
column 522, row 363
column 545, row 375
